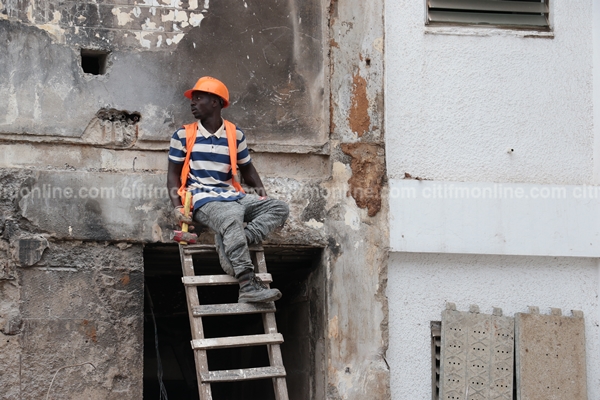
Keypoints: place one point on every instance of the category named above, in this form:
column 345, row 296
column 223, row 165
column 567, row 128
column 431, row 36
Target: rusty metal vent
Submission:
column 436, row 345
column 531, row 14
column 94, row 61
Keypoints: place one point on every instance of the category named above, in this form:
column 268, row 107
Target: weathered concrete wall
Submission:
column 135, row 207
column 80, row 174
column 269, row 55
column 357, row 306
column 71, row 274
column 83, row 303
column 71, row 309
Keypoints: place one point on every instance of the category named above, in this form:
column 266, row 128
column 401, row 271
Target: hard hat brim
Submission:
column 188, row 94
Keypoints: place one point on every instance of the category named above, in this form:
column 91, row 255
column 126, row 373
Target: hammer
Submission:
column 183, row 236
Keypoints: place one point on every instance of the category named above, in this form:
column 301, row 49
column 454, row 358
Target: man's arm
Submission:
column 174, row 182
column 251, row 178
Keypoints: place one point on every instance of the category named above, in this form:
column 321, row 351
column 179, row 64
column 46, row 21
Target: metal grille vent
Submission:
column 516, row 13
column 436, row 345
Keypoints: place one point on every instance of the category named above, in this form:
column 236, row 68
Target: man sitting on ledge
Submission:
column 203, row 159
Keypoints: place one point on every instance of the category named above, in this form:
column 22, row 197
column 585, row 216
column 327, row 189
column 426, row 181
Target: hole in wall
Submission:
column 94, row 61
column 300, row 318
column 123, row 116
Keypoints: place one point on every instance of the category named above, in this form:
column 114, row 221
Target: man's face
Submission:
column 203, row 104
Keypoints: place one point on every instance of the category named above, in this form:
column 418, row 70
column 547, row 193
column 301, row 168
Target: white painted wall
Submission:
column 456, row 100
column 455, row 104
column 596, row 45
column 421, row 284
column 494, row 218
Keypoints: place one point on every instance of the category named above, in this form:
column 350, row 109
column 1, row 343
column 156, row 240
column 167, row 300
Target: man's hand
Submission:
column 181, row 219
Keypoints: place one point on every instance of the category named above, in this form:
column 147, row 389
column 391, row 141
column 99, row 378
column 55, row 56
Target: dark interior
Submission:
column 94, row 61
column 299, row 317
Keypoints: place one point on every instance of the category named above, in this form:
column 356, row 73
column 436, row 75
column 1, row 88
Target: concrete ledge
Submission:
column 135, row 207
column 81, row 156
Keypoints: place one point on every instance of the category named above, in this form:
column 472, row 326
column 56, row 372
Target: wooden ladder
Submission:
column 271, row 337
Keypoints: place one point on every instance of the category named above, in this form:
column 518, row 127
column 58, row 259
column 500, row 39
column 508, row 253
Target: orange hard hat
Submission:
column 210, row 85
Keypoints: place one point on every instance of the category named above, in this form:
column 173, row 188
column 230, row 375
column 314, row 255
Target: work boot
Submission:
column 253, row 290
column 223, row 260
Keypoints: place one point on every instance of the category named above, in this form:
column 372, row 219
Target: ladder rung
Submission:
column 237, row 341
column 209, row 280
column 243, row 374
column 209, row 248
column 255, row 247
column 233, row 309
column 197, row 248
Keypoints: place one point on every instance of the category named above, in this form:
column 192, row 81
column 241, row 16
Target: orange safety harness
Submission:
column 191, row 131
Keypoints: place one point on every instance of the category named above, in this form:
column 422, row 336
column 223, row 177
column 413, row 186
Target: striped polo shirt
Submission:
column 210, row 177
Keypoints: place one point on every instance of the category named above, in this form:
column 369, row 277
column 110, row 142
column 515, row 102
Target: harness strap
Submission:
column 191, row 131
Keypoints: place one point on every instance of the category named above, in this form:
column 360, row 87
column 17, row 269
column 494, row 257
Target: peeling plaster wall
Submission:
column 269, row 55
column 357, row 306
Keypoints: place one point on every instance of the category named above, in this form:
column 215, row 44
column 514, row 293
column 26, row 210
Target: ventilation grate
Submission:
column 436, row 345
column 516, row 13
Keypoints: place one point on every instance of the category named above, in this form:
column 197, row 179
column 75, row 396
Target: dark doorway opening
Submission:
column 94, row 61
column 297, row 272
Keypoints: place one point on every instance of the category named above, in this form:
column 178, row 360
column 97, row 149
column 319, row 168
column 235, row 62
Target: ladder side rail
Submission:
column 276, row 360
column 200, row 357
column 270, row 326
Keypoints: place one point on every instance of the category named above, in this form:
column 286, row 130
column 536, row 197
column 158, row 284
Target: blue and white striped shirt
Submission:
column 210, row 177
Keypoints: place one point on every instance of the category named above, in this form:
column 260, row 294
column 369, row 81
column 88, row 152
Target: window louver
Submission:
column 525, row 14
